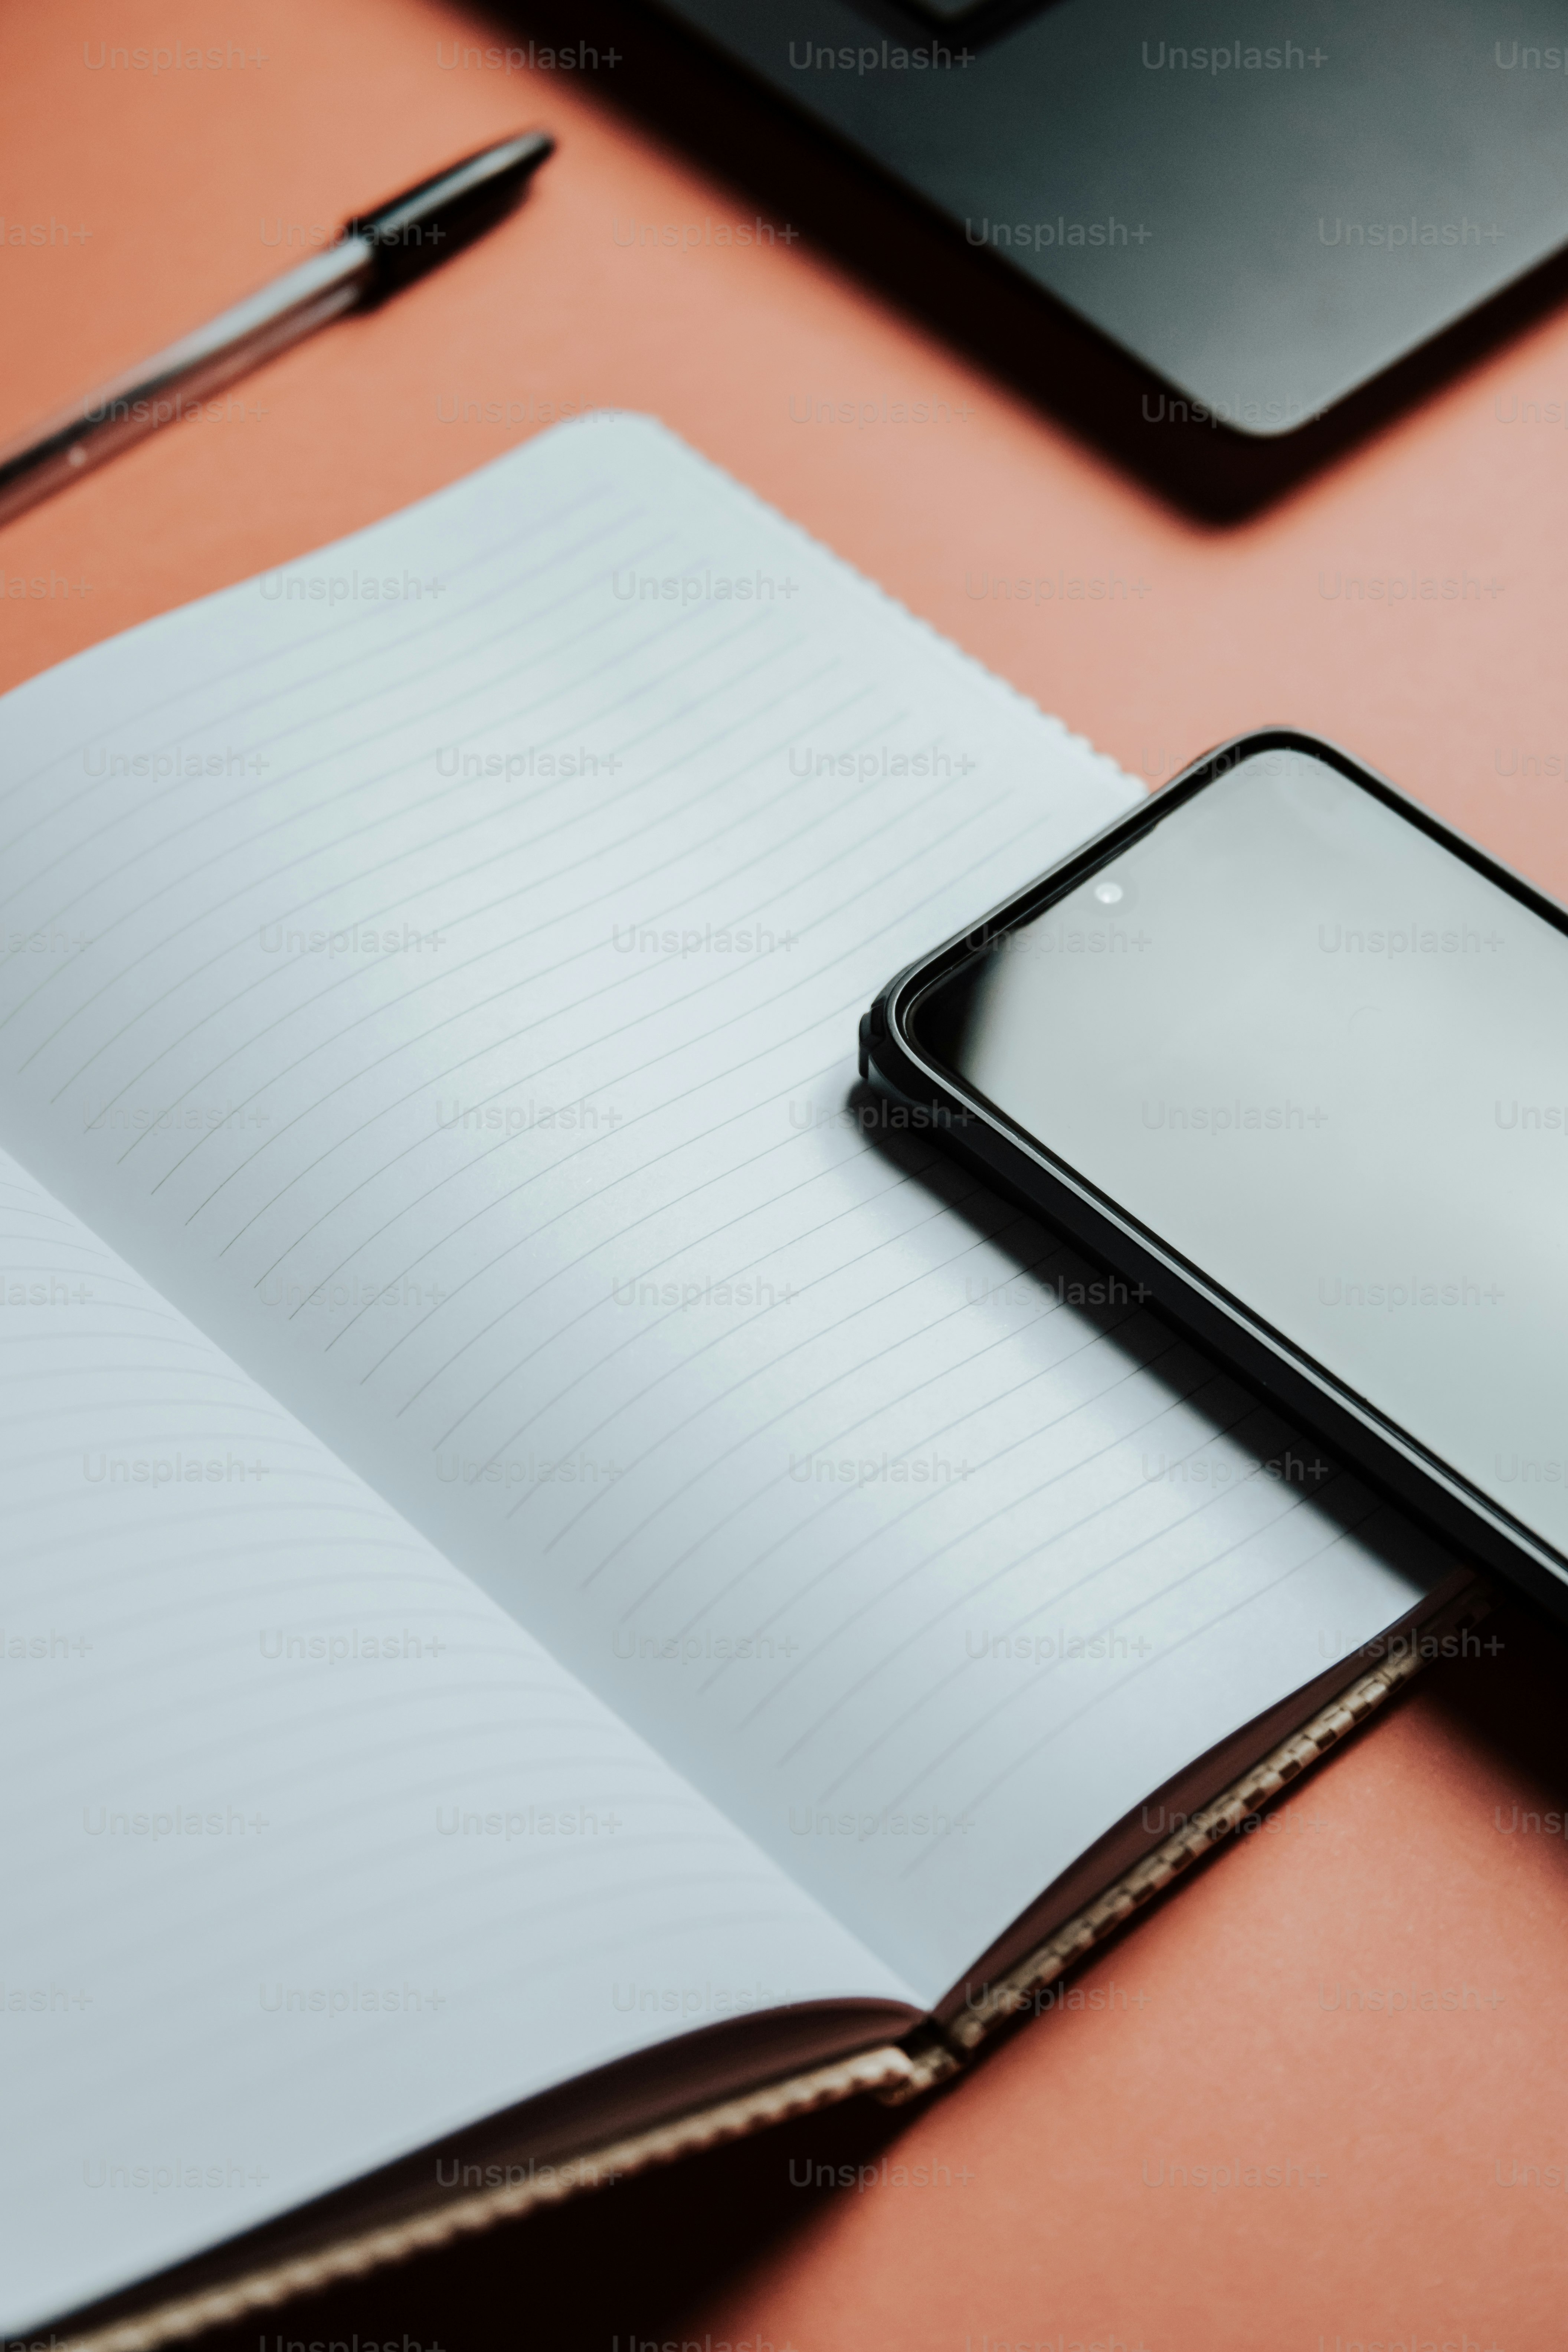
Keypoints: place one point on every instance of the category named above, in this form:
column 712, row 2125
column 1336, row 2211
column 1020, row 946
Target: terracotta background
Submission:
column 1404, row 2224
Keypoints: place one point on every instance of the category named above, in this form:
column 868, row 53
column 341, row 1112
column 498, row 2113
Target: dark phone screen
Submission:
column 1326, row 1061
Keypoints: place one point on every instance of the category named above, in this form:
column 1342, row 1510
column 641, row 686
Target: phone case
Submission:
column 917, row 1093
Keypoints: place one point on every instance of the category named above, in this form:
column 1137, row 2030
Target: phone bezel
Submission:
column 896, row 1065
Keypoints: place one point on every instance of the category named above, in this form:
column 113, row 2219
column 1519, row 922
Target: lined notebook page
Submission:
column 249, row 1948
column 468, row 1044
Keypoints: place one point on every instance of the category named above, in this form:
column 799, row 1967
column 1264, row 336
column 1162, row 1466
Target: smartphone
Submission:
column 1288, row 1051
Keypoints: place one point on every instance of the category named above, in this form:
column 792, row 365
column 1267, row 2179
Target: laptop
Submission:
column 1204, row 219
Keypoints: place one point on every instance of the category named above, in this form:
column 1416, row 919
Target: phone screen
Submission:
column 1326, row 1061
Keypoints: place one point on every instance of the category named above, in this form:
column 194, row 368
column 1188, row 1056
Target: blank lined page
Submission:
column 450, row 994
column 310, row 1854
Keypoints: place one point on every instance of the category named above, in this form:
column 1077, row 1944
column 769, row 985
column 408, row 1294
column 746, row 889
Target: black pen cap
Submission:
column 418, row 230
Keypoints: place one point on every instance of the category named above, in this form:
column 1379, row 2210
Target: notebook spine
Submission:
column 1216, row 1821
column 369, row 2249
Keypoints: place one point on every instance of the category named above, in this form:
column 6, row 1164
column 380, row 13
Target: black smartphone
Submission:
column 1288, row 1050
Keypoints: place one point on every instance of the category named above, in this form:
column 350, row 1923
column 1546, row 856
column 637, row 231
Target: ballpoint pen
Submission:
column 373, row 256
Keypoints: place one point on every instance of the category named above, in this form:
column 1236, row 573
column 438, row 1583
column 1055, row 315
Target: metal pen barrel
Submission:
column 147, row 397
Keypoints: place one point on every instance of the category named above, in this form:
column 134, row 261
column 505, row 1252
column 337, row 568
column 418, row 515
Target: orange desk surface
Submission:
column 1375, row 2171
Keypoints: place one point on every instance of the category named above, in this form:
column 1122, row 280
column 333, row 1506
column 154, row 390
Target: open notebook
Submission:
column 555, row 1578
